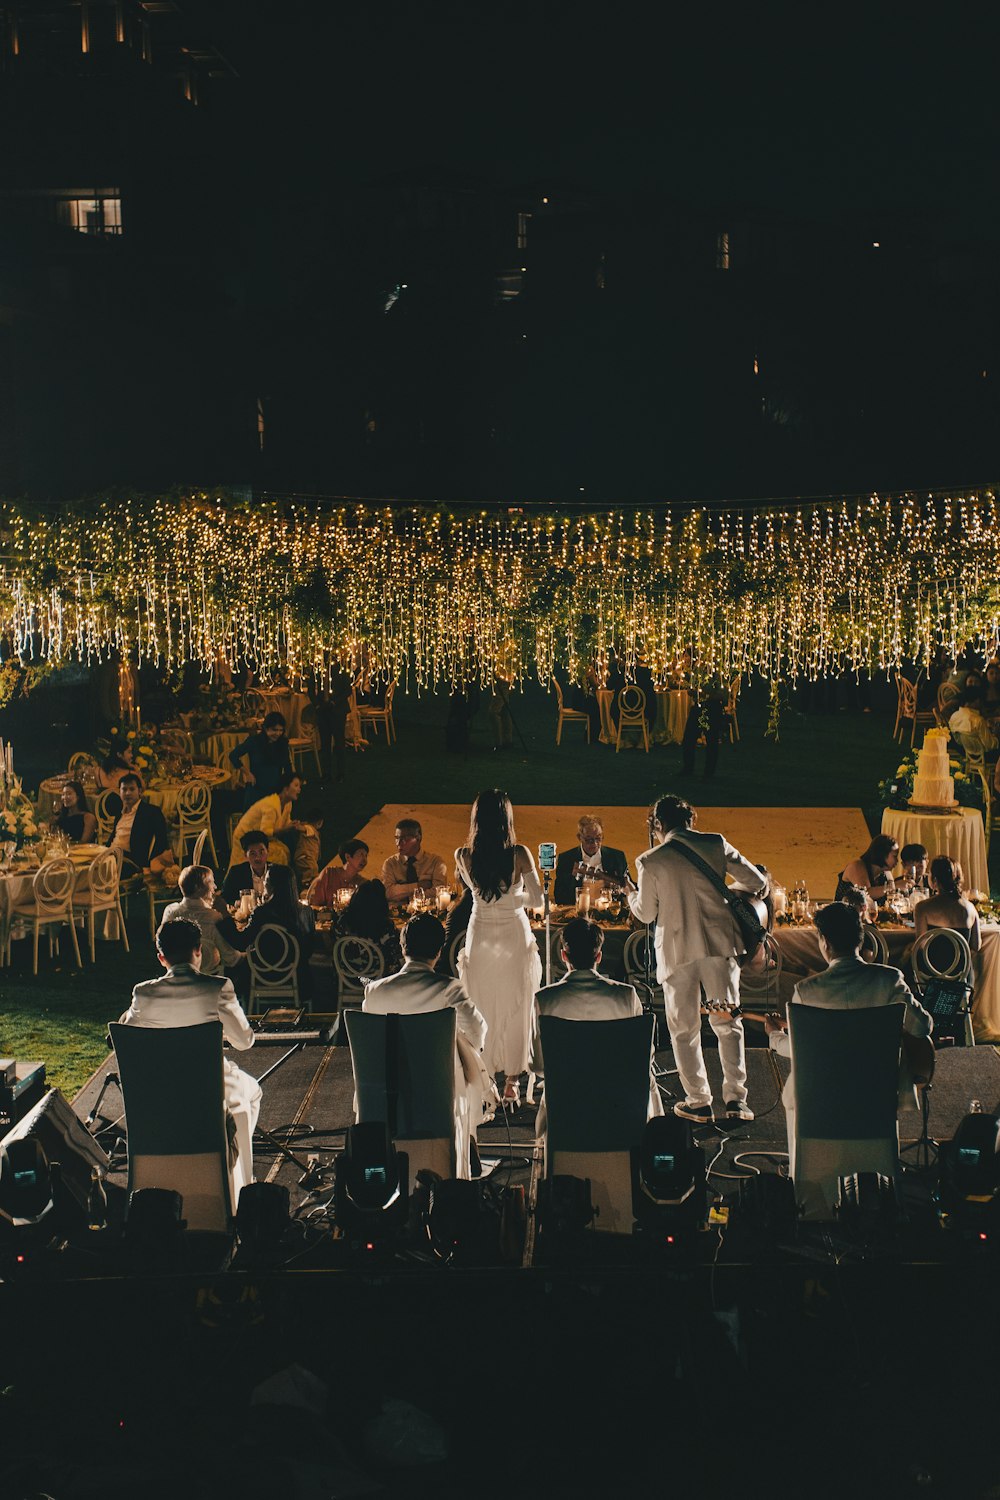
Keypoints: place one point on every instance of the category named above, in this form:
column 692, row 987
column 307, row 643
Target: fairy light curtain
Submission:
column 437, row 598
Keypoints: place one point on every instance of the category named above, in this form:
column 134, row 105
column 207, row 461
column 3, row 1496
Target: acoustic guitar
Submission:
column 917, row 1050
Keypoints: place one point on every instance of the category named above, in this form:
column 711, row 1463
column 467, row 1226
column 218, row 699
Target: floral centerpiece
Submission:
column 138, row 746
column 17, row 819
column 896, row 791
column 218, row 707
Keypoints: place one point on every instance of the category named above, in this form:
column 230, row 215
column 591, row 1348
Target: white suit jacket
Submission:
column 581, row 995
column 184, row 997
column 851, row 984
column 692, row 919
column 415, row 989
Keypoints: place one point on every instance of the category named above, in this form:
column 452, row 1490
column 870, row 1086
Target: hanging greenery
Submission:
column 440, row 597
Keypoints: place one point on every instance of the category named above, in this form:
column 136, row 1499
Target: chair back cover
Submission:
column 420, row 1051
column 578, row 1052
column 846, row 1069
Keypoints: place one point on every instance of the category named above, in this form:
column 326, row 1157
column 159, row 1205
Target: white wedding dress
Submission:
column 501, row 970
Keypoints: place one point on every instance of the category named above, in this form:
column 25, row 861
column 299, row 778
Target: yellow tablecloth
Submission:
column 164, row 794
column 672, row 705
column 961, row 838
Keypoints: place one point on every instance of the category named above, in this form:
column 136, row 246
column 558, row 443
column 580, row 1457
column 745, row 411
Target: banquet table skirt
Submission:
column 605, row 703
column 672, row 706
column 213, row 743
column 292, row 705
column 961, row 838
column 801, row 956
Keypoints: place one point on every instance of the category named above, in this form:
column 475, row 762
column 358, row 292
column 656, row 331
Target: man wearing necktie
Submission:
column 411, row 868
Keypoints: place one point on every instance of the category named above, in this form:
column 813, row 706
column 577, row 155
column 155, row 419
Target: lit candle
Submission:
column 444, row 898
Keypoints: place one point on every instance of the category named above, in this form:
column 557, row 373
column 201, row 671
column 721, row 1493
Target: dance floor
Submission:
column 795, row 843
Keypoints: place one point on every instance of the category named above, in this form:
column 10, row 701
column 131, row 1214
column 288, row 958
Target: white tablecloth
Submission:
column 961, row 838
column 672, row 706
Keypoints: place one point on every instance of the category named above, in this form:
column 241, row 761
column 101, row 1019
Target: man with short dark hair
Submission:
column 411, row 868
column 583, row 994
column 848, row 983
column 268, row 759
column 697, row 947
column 183, row 996
column 248, row 875
column 197, row 883
column 415, row 990
column 140, row 832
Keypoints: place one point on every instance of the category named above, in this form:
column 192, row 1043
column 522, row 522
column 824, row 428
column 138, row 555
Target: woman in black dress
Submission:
column 74, row 818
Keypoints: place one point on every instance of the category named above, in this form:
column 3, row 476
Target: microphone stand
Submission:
column 546, row 877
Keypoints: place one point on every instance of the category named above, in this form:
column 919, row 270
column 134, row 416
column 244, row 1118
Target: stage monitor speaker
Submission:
column 65, row 1140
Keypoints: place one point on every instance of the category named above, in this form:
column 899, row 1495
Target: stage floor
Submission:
column 309, row 1102
column 795, row 843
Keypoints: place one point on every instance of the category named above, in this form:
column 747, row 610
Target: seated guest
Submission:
column 456, row 924
column 947, row 906
column 967, row 722
column 411, row 868
column 271, row 815
column 861, row 902
column 913, row 861
column 74, row 819
column 346, row 876
column 305, row 860
column 268, row 757
column 872, row 872
column 582, row 994
column 279, row 907
column 249, row 875
column 416, row 989
column 186, row 997
column 589, row 860
column 990, row 705
column 197, row 883
column 367, row 916
column 848, row 984
column 110, row 772
column 140, row 832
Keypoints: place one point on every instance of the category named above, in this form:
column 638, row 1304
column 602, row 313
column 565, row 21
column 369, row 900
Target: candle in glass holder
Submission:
column 779, row 898
column 583, row 900
column 443, row 898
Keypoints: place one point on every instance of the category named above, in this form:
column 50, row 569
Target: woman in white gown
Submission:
column 500, row 966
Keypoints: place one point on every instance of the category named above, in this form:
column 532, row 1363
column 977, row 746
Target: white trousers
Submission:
column 718, row 979
column 243, row 1095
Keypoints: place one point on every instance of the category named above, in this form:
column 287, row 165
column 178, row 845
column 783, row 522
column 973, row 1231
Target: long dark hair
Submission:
column 367, row 913
column 282, row 905
column 491, row 844
column 947, row 876
column 73, row 812
column 878, row 851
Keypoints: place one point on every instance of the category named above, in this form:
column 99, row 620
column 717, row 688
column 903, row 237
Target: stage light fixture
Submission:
column 262, row 1220
column 565, row 1209
column 154, row 1224
column 370, row 1195
column 670, row 1194
column 968, row 1189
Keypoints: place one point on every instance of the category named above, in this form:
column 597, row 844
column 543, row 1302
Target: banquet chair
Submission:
column 941, row 954
column 199, row 846
column 79, row 762
column 273, row 961
column 50, row 906
column 906, row 708
column 594, row 1136
column 874, row 948
column 948, row 695
column 97, row 891
column 372, row 714
column 632, row 715
column 194, row 817
column 105, row 817
column 404, row 1075
column 177, row 742
column 976, row 764
column 730, row 710
column 568, row 715
column 455, row 947
column 177, row 1136
column 837, row 1131
column 356, row 961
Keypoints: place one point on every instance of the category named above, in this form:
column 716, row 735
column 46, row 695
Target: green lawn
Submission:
column 820, row 760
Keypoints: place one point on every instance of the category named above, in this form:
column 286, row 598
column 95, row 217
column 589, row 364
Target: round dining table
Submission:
column 959, row 835
column 672, row 707
column 165, row 793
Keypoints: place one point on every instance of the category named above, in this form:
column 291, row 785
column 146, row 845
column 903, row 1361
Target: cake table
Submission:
column 962, row 838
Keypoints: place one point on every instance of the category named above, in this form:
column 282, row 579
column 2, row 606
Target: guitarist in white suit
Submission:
column 698, row 944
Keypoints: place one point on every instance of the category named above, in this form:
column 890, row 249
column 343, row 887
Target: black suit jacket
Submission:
column 613, row 863
column 240, row 878
column 149, row 834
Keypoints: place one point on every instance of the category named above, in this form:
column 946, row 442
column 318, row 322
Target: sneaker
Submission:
column 701, row 1114
column 739, row 1113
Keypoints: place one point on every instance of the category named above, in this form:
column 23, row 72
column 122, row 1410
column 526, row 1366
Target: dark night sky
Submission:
column 757, row 107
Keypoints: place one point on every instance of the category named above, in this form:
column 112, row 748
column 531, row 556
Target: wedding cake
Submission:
column 933, row 785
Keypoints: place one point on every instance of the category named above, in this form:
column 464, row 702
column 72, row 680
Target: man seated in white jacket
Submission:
column 415, row 990
column 848, row 983
column 582, row 994
column 183, row 996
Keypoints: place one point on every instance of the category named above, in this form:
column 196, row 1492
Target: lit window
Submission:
column 92, row 215
column 522, row 230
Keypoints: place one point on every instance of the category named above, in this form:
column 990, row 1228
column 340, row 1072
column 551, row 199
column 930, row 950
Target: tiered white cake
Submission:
column 933, row 785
